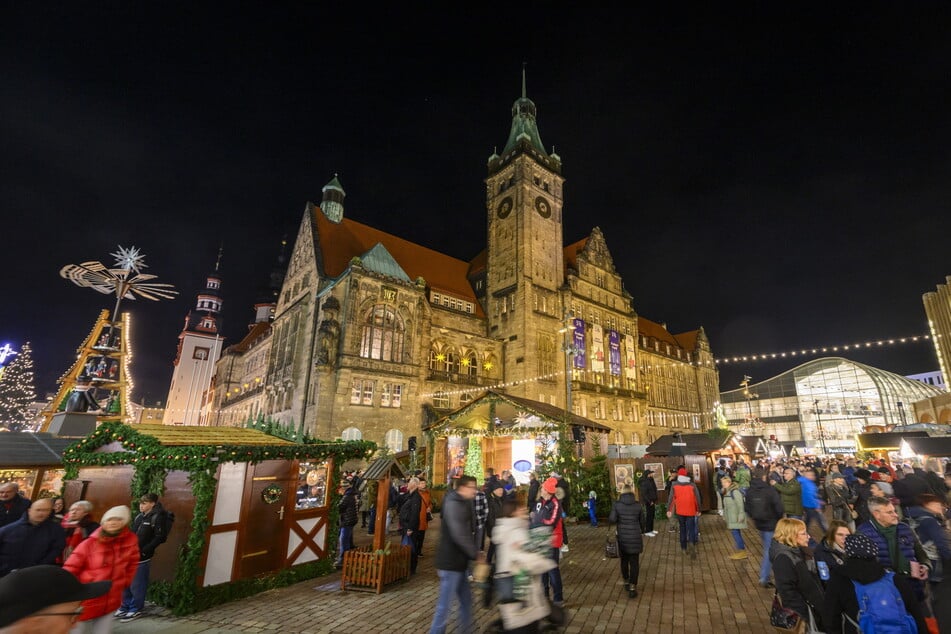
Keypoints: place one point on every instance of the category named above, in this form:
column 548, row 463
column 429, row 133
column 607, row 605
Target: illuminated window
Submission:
column 441, row 400
column 361, row 392
column 351, row 433
column 382, row 335
column 394, row 440
column 392, row 395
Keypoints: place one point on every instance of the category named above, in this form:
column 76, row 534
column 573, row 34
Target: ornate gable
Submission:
column 596, row 251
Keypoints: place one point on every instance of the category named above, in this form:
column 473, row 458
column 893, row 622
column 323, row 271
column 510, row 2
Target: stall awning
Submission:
column 886, row 441
column 695, row 444
column 934, row 446
column 506, row 413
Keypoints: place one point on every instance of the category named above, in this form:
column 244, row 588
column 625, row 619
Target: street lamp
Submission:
column 570, row 350
column 822, row 436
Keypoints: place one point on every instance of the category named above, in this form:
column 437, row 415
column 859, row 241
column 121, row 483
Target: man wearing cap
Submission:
column 43, row 600
column 494, row 494
column 647, row 489
column 32, row 540
column 549, row 514
column 12, row 504
column 110, row 554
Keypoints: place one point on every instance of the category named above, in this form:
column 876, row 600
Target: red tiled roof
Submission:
column 648, row 328
column 688, row 340
column 478, row 262
column 571, row 253
column 257, row 330
column 340, row 243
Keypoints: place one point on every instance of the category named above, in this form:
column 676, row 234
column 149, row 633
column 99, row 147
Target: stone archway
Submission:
column 926, row 418
column 944, row 416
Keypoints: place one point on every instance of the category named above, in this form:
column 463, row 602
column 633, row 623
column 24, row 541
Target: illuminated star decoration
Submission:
column 125, row 281
column 6, row 351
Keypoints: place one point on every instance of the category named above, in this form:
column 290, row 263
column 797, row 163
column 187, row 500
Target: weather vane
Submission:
column 125, row 280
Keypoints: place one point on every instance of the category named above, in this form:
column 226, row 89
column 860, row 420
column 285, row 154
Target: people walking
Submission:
column 811, row 503
column 791, row 491
column 764, row 505
column 410, row 510
column 685, row 504
column 549, row 514
column 110, row 554
column 533, row 486
column 797, row 583
column 33, row 540
column 592, row 504
column 830, row 552
column 457, row 547
column 734, row 512
column 151, row 529
column 647, row 489
column 78, row 526
column 628, row 514
column 425, row 512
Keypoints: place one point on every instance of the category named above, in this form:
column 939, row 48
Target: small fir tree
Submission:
column 474, row 459
column 17, row 390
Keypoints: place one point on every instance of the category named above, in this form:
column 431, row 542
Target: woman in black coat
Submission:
column 628, row 514
column 795, row 570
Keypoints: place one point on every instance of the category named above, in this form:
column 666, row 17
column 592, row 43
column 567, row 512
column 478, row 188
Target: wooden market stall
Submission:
column 512, row 433
column 926, row 447
column 248, row 506
column 883, row 443
column 34, row 462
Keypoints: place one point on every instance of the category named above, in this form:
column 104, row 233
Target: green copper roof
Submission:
column 379, row 260
column 523, row 123
column 333, row 184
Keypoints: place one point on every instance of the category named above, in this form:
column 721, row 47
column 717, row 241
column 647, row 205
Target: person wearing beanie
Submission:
column 549, row 513
column 841, row 499
column 110, row 554
column 149, row 528
column 684, row 502
column 861, row 566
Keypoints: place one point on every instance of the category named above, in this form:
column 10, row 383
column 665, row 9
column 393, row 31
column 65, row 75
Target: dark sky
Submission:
column 781, row 179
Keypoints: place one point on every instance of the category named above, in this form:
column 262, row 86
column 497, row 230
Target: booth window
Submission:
column 311, row 485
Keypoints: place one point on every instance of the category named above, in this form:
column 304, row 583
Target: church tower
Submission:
column 199, row 346
column 525, row 258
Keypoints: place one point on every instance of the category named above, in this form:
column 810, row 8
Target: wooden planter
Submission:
column 370, row 570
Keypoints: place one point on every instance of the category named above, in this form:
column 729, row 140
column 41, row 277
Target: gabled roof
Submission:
column 340, row 242
column 514, row 412
column 688, row 340
column 181, row 436
column 379, row 260
column 254, row 333
column 696, row 444
column 886, row 440
column 22, row 449
column 571, row 254
column 649, row 328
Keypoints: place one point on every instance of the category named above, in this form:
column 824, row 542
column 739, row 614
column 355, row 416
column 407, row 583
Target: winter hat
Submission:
column 550, row 485
column 836, row 476
column 682, row 471
column 121, row 512
column 647, row 472
column 495, row 484
column 860, row 546
column 863, row 474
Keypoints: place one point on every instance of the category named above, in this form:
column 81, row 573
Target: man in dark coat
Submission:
column 347, row 511
column 409, row 520
column 628, row 514
column 565, row 504
column 457, row 547
column 647, row 489
column 494, row 495
column 533, row 485
column 909, row 488
column 765, row 506
column 32, row 540
column 12, row 504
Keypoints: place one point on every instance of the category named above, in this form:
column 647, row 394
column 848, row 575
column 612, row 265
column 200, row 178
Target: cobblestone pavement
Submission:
column 676, row 594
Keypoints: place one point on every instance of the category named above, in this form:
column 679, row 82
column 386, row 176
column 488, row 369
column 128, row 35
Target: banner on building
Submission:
column 629, row 357
column 614, row 352
column 597, row 348
column 578, row 343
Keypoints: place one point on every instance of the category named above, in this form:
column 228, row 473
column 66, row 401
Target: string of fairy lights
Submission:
column 805, row 352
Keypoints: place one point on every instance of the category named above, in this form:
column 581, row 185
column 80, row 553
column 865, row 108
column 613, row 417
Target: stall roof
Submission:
column 24, row 449
column 886, row 440
column 380, row 467
column 183, row 436
column 696, row 444
column 938, row 446
column 511, row 412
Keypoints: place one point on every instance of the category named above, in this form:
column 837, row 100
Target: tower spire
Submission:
column 221, row 249
column 524, row 91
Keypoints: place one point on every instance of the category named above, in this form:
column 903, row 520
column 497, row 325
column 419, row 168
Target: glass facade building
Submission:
column 824, row 403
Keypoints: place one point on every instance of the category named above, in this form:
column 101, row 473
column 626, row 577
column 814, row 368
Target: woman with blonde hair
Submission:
column 794, row 569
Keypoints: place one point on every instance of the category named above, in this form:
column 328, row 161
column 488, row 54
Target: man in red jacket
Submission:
column 685, row 504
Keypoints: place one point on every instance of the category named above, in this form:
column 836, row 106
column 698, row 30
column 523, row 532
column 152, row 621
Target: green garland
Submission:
column 152, row 461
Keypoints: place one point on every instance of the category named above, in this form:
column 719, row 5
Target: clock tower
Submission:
column 525, row 257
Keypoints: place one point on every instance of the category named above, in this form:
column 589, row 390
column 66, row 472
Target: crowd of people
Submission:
column 113, row 555
column 881, row 556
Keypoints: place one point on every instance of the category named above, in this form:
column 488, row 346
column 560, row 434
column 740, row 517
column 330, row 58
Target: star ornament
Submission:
column 130, row 259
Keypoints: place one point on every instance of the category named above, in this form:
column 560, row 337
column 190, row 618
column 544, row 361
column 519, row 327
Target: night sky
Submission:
column 781, row 179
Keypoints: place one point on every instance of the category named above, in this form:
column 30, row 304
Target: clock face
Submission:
column 505, row 207
column 542, row 207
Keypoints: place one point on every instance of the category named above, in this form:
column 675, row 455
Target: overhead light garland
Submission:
column 805, row 352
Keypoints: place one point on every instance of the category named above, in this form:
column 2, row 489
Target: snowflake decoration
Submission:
column 130, row 259
column 524, row 418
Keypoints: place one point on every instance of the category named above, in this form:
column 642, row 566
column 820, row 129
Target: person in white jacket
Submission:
column 522, row 602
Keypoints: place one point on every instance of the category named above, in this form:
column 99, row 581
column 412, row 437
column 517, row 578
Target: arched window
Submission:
column 382, row 335
column 470, row 366
column 465, row 398
column 394, row 440
column 351, row 433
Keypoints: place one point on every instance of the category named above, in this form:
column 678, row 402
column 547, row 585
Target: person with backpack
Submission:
column 684, row 502
column 765, row 507
column 151, row 526
column 863, row 596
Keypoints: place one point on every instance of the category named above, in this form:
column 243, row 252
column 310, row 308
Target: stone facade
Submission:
column 374, row 336
column 938, row 309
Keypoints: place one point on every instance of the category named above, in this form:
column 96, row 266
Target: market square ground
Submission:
column 677, row 594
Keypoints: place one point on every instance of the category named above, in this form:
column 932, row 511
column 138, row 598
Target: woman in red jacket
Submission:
column 110, row 553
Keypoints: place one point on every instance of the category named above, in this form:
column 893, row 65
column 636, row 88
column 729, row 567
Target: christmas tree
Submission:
column 17, row 391
column 474, row 459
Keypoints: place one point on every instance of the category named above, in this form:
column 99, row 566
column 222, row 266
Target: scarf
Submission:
column 890, row 534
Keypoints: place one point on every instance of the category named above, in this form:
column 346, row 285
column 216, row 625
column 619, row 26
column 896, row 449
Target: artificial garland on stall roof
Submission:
column 151, row 462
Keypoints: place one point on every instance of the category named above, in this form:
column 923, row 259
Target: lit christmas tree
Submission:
column 474, row 459
column 17, row 390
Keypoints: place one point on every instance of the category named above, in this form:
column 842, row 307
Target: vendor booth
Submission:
column 248, row 506
column 512, row 433
column 34, row 462
column 881, row 445
column 925, row 447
